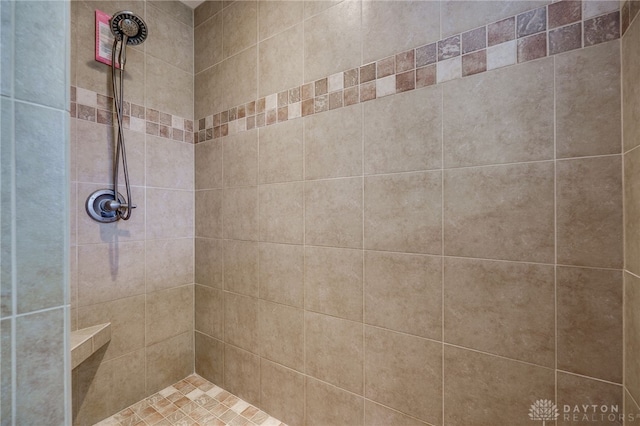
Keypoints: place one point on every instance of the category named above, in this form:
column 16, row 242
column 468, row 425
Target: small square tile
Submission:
column 272, row 116
column 137, row 124
column 474, row 63
column 294, row 95
column 367, row 91
column 565, row 38
column 196, row 138
column 251, row 122
column 208, row 122
column 307, row 91
column 242, row 112
column 321, row 86
column 188, row 137
column 336, row 82
column 449, row 48
column 532, row 22
column 308, row 107
column 502, row 55
column 474, row 40
column 564, row 12
column 176, row 122
column 209, row 134
column 386, row 86
column 532, row 47
column 335, row 100
column 224, row 130
column 177, row 135
column 137, row 111
column 217, row 120
column 86, row 113
column 385, row 67
column 261, row 120
column 224, row 117
column 601, row 29
column 202, row 135
column 449, row 69
column 251, row 108
column 295, row 110
column 405, row 61
column 261, row 105
column 165, row 131
column 368, row 72
column 233, row 114
column 321, row 103
column 73, row 110
column 271, row 101
column 165, row 119
column 201, row 123
column 188, row 125
column 426, row 55
column 405, row 81
column 283, row 113
column 351, row 95
column 72, row 94
column 153, row 128
column 86, row 97
column 351, row 78
column 426, row 76
column 103, row 101
column 283, row 98
column 153, row 115
column 104, row 117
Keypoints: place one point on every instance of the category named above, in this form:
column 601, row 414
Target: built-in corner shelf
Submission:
column 87, row 341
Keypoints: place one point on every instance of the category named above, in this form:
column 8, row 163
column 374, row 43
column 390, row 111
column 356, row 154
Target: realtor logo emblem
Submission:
column 544, row 410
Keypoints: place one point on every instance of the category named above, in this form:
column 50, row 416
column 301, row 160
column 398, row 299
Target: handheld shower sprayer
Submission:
column 107, row 205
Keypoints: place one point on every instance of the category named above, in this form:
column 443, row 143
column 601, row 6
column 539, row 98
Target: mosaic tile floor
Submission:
column 193, row 401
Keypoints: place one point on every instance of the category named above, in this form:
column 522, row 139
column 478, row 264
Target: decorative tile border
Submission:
column 556, row 28
column 92, row 106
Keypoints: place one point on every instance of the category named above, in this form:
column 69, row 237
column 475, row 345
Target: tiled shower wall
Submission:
column 631, row 137
column 138, row 274
column 446, row 255
column 34, row 359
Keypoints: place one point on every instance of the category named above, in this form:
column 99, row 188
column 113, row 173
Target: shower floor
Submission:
column 192, row 401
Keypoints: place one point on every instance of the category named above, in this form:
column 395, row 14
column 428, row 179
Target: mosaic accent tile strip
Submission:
column 92, row 106
column 556, row 28
column 193, row 401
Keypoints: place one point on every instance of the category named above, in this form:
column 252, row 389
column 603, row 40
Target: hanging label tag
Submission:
column 104, row 38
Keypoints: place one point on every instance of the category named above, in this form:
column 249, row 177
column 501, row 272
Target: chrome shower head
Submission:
column 127, row 24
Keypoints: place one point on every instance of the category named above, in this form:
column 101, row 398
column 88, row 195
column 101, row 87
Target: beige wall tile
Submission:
column 240, row 29
column 207, row 92
column 333, row 143
column 282, row 392
column 161, row 274
column 207, row 39
column 404, row 373
column 169, row 313
column 346, row 408
column 242, row 374
column 209, row 311
column 281, row 213
column 164, row 221
column 282, row 274
column 241, row 267
column 92, row 232
column 485, row 210
column 579, row 391
column 588, row 101
column 632, row 334
column 282, row 334
column 403, row 133
column 403, row 292
column 333, row 213
column 241, row 213
column 209, row 267
column 281, row 58
column 209, row 358
column 403, row 212
column 208, row 164
column 236, row 88
column 590, row 322
column 333, row 282
column 178, row 10
column 169, row 164
column 334, row 351
column 171, row 40
column 632, row 211
column 459, row 16
column 209, row 213
column 504, row 308
column 127, row 318
column 273, row 16
column 205, row 10
column 95, row 379
column 241, row 322
column 379, row 415
column 280, row 156
column 241, row 159
column 108, row 273
column 169, row 361
column 503, row 116
column 631, row 87
column 589, row 212
column 168, row 89
column 483, row 389
column 39, row 348
column 392, row 27
column 328, row 52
